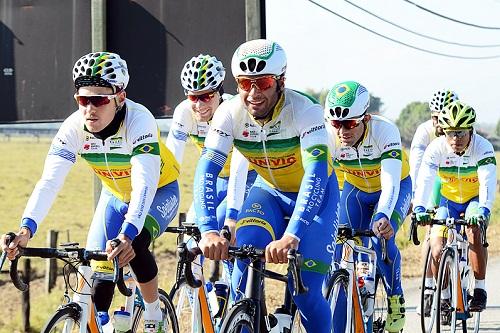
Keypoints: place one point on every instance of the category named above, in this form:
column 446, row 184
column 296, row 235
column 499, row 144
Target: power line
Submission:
column 400, row 42
column 417, row 33
column 452, row 19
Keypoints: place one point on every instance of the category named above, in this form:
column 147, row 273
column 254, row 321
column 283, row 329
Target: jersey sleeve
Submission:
column 218, row 143
column 314, row 150
column 427, row 174
column 237, row 184
column 182, row 124
column 487, row 176
column 60, row 158
column 420, row 141
column 145, row 171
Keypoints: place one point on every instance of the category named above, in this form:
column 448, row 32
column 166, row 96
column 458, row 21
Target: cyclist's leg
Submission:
column 314, row 309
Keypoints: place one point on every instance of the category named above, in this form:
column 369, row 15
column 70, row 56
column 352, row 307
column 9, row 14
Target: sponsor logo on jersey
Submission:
column 274, row 129
column 142, row 137
column 273, row 162
column 115, row 143
column 367, row 150
column 220, row 132
column 313, row 129
column 113, row 174
column 60, row 140
column 90, row 146
column 251, row 133
column 392, row 144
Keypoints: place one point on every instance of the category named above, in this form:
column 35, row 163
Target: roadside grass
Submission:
column 21, row 167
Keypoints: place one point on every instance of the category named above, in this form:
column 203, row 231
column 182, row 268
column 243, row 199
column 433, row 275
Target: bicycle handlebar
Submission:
column 449, row 222
column 349, row 233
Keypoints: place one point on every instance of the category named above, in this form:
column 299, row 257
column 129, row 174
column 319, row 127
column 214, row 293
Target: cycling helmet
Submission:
column 441, row 98
column 201, row 73
column 102, row 69
column 457, row 115
column 346, row 100
column 258, row 57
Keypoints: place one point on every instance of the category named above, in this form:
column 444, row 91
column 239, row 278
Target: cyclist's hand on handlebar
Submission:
column 22, row 238
column 422, row 215
column 124, row 250
column 277, row 251
column 214, row 246
column 383, row 228
column 231, row 224
column 475, row 219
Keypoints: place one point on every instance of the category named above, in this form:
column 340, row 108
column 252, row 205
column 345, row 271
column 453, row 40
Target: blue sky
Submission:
column 323, row 49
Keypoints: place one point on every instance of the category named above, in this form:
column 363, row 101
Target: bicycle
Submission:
column 364, row 312
column 249, row 314
column 454, row 272
column 193, row 308
column 78, row 313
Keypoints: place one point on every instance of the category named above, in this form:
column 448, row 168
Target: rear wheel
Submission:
column 238, row 319
column 66, row 319
column 168, row 312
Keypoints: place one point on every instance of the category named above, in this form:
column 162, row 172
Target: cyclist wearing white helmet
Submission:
column 203, row 81
column 425, row 133
column 120, row 141
column 465, row 162
column 281, row 133
column 377, row 186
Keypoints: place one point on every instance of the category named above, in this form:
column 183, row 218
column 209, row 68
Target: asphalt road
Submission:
column 490, row 318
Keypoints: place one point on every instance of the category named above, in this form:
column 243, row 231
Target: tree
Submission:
column 410, row 117
column 497, row 130
column 375, row 105
column 320, row 96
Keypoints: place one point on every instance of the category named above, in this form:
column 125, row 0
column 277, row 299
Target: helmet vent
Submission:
column 261, row 65
column 252, row 63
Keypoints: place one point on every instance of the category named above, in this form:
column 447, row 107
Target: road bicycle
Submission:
column 454, row 272
column 352, row 308
column 249, row 314
column 78, row 313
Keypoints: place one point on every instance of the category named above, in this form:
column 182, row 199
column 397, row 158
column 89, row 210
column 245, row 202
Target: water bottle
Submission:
column 122, row 321
column 222, row 293
column 366, row 272
column 106, row 325
column 281, row 321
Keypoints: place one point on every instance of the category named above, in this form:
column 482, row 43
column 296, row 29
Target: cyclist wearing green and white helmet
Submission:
column 120, row 141
column 425, row 133
column 202, row 78
column 466, row 164
column 281, row 133
column 377, row 187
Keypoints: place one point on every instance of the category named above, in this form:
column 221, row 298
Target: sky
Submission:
column 323, row 49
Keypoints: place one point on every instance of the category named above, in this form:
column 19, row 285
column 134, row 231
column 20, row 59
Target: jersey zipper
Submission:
column 263, row 138
column 109, row 170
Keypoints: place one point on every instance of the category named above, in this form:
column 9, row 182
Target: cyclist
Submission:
column 465, row 162
column 425, row 133
column 377, row 186
column 120, row 141
column 202, row 79
column 282, row 135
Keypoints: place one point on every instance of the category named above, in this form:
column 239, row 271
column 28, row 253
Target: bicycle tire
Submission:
column 183, row 303
column 427, row 326
column 338, row 281
column 167, row 308
column 67, row 314
column 379, row 306
column 446, row 266
column 239, row 317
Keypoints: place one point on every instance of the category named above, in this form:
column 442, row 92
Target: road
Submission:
column 490, row 318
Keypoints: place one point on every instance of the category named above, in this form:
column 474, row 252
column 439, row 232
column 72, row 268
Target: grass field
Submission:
column 21, row 166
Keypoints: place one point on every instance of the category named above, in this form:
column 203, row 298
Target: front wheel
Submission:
column 66, row 319
column 447, row 280
column 338, row 297
column 238, row 319
column 428, row 301
column 168, row 311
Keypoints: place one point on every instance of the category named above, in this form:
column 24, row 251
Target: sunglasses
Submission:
column 261, row 83
column 459, row 134
column 203, row 97
column 347, row 124
column 95, row 100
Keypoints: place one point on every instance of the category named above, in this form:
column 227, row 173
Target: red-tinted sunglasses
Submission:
column 262, row 83
column 347, row 124
column 95, row 100
column 203, row 97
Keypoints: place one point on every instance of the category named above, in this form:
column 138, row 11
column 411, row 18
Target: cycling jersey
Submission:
column 462, row 177
column 131, row 164
column 378, row 159
column 290, row 154
column 425, row 133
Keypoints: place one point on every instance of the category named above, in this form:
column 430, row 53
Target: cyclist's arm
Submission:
column 418, row 144
column 314, row 149
column 178, row 134
column 427, row 175
column 487, row 177
column 237, row 184
column 145, row 173
column 59, row 160
column 218, row 143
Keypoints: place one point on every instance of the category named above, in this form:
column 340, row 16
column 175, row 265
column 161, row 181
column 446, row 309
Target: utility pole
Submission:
column 255, row 13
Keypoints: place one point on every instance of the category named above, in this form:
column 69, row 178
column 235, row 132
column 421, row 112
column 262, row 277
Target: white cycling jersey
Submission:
column 131, row 163
column 378, row 163
column 425, row 133
column 462, row 177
